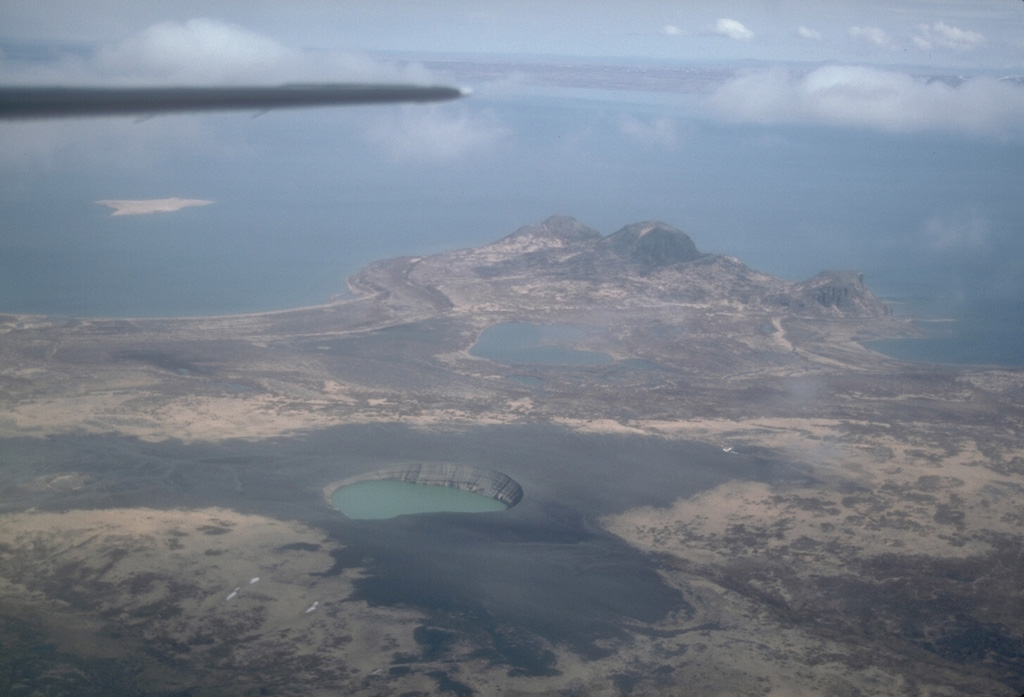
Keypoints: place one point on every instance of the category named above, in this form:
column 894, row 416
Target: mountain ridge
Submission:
column 560, row 263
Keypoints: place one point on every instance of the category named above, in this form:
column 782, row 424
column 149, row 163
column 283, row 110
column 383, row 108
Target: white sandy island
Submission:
column 152, row 205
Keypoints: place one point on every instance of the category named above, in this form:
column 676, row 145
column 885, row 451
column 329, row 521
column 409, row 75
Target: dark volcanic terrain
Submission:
column 724, row 491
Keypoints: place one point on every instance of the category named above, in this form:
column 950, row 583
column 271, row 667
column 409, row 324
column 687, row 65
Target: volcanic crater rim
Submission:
column 478, row 480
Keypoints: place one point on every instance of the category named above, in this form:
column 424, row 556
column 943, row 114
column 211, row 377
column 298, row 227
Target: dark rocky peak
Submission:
column 652, row 244
column 842, row 291
column 558, row 229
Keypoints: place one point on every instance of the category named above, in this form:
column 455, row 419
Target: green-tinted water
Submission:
column 386, row 498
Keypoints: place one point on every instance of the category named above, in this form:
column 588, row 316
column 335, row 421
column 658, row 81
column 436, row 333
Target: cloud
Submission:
column 871, row 98
column 205, row 51
column 960, row 232
column 657, row 133
column 807, row 33
column 732, row 29
column 943, row 35
column 873, row 35
column 199, row 48
column 85, row 146
column 435, row 133
column 194, row 52
column 153, row 205
column 670, row 30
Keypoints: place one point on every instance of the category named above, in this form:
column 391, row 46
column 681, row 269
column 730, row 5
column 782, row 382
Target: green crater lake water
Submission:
column 387, row 498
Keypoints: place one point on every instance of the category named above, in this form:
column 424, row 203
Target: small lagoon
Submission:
column 521, row 342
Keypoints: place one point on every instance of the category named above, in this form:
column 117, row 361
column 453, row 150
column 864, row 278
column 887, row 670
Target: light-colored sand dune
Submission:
column 152, row 205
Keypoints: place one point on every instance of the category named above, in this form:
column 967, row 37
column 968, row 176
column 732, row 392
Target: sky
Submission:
column 797, row 136
column 976, row 33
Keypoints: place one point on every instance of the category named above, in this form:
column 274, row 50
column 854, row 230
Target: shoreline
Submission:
column 336, row 299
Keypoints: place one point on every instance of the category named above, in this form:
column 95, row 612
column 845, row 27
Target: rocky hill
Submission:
column 561, row 264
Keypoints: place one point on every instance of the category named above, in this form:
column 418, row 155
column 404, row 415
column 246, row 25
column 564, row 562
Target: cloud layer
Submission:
column 206, row 51
column 929, row 37
column 871, row 98
column 733, row 29
column 199, row 49
column 874, row 35
column 808, row 33
column 945, row 36
column 659, row 132
column 435, row 133
column 961, row 232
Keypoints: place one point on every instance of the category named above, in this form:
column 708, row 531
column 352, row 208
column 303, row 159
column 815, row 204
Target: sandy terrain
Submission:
column 231, row 593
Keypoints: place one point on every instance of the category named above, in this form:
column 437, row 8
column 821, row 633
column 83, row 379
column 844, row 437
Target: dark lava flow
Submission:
column 541, row 569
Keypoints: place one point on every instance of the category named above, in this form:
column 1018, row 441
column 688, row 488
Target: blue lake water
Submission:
column 385, row 498
column 521, row 342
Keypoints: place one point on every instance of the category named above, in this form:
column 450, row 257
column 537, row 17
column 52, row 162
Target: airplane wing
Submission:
column 52, row 102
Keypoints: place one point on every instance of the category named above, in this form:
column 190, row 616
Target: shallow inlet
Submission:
column 423, row 488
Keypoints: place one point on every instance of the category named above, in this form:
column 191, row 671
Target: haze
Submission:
column 647, row 288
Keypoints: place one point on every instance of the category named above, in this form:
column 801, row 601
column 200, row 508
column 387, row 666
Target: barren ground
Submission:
column 890, row 566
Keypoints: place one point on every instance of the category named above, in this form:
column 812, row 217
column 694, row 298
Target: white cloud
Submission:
column 105, row 144
column 435, row 133
column 808, row 33
column 732, row 29
column 658, row 132
column 945, row 36
column 205, row 51
column 199, row 48
column 670, row 30
column 959, row 232
column 195, row 52
column 871, row 98
column 874, row 35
